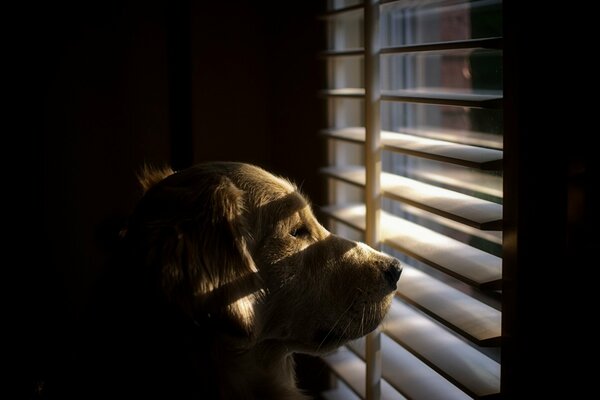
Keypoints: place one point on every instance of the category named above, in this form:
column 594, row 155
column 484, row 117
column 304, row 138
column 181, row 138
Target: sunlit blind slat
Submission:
column 467, row 155
column 351, row 368
column 479, row 213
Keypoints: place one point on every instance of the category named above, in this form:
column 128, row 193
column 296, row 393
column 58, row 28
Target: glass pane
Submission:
column 417, row 22
column 346, row 194
column 468, row 70
column 345, row 31
column 346, row 153
column 473, row 126
column 345, row 72
column 343, row 112
column 337, row 4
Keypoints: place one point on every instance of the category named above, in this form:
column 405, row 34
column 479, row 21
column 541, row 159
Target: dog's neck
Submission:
column 243, row 370
column 268, row 372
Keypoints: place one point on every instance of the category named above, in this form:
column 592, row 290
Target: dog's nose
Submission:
column 392, row 273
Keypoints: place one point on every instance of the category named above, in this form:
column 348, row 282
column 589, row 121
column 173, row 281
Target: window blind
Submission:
column 415, row 149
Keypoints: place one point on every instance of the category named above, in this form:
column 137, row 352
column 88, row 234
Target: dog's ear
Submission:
column 211, row 262
column 237, row 284
column 149, row 175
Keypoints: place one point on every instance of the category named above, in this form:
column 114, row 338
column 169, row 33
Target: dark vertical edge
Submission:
column 546, row 296
column 180, row 82
column 510, row 329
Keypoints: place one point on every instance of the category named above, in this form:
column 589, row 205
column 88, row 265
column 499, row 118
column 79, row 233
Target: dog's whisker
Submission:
column 335, row 324
column 362, row 321
column 341, row 337
column 373, row 313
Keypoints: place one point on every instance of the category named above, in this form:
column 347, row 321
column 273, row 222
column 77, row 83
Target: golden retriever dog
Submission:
column 244, row 276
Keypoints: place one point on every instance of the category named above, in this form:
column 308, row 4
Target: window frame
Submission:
column 373, row 150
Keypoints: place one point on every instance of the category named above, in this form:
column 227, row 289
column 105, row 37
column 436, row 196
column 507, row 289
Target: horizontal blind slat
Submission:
column 349, row 368
column 445, row 151
column 434, row 149
column 469, row 210
column 340, row 392
column 459, row 181
column 469, row 264
column 469, row 138
column 483, row 43
column 463, row 364
column 469, row 317
column 407, row 373
column 466, row 263
column 476, row 100
column 358, row 93
column 343, row 53
column 446, row 136
column 493, row 237
column 352, row 370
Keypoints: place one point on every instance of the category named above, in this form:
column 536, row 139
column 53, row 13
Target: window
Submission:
column 415, row 152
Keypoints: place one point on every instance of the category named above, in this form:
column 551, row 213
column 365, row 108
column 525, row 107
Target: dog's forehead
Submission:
column 271, row 194
column 264, row 183
column 276, row 184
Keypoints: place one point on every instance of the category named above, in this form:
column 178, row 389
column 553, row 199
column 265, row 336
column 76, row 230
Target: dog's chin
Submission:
column 327, row 340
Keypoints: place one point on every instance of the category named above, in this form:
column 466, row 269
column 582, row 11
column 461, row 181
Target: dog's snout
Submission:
column 392, row 273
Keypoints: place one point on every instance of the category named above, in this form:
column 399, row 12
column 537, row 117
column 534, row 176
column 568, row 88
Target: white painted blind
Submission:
column 414, row 136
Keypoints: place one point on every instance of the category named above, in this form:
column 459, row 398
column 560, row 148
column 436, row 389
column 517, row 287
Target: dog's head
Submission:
column 232, row 244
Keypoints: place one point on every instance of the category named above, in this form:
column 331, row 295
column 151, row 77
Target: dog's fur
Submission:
column 232, row 274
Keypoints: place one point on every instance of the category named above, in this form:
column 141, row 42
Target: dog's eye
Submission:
column 300, row 232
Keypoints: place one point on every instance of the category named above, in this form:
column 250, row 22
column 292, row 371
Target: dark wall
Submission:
column 111, row 85
column 549, row 206
column 255, row 75
column 105, row 113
